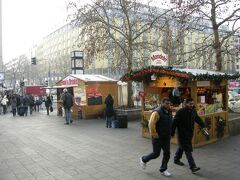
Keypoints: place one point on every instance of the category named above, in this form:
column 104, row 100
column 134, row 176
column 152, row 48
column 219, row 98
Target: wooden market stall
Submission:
column 208, row 89
column 89, row 92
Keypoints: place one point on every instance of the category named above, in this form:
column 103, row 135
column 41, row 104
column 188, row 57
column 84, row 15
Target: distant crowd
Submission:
column 23, row 105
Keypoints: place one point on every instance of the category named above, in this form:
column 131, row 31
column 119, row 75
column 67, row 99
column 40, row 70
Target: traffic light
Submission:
column 34, row 61
column 21, row 83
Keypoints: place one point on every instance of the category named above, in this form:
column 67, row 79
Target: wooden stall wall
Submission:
column 104, row 88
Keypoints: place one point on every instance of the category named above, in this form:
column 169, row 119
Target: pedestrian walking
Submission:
column 184, row 123
column 37, row 103
column 160, row 125
column 48, row 103
column 25, row 104
column 14, row 105
column 31, row 103
column 4, row 103
column 0, row 104
column 109, row 111
column 67, row 99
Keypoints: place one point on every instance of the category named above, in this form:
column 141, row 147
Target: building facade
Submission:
column 53, row 53
column 1, row 57
column 237, row 46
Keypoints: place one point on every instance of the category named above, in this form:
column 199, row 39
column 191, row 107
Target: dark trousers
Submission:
column 179, row 153
column 47, row 107
column 14, row 110
column 4, row 109
column 158, row 144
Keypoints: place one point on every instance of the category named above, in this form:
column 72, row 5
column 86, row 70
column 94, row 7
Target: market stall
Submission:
column 207, row 88
column 89, row 92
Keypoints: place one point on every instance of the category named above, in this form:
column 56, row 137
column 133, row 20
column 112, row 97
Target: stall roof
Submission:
column 63, row 86
column 145, row 74
column 93, row 78
column 197, row 72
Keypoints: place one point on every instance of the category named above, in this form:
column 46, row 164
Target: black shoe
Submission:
column 179, row 163
column 71, row 121
column 66, row 123
column 195, row 169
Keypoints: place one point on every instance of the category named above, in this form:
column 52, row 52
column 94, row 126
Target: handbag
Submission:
column 51, row 109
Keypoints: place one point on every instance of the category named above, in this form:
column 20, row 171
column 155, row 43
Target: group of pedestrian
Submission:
column 24, row 104
column 162, row 127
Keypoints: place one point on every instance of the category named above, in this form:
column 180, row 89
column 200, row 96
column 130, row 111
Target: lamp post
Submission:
column 77, row 62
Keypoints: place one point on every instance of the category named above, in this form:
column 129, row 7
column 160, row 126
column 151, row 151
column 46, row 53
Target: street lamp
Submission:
column 77, row 62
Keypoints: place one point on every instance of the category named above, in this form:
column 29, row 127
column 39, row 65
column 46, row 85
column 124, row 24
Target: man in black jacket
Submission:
column 160, row 124
column 184, row 122
column 67, row 104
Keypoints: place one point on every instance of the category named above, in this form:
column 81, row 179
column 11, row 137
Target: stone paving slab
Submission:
column 41, row 147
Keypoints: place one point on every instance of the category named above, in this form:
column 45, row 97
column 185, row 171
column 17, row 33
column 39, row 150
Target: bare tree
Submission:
column 63, row 65
column 116, row 27
column 18, row 70
column 216, row 16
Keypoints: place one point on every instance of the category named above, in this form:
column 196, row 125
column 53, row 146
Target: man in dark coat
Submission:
column 109, row 111
column 67, row 99
column 160, row 124
column 184, row 122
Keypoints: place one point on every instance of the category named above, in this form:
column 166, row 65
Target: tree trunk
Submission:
column 130, row 62
column 217, row 44
column 130, row 94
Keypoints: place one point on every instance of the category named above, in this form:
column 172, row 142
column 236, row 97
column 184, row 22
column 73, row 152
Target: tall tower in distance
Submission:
column 1, row 57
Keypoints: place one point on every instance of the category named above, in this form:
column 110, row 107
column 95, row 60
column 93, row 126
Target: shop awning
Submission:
column 63, row 86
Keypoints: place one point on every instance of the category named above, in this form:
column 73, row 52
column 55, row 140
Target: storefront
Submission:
column 208, row 89
column 89, row 92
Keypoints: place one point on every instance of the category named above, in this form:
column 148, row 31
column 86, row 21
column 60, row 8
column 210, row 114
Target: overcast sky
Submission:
column 25, row 22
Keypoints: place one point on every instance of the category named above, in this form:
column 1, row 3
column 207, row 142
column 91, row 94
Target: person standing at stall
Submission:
column 67, row 99
column 160, row 125
column 184, row 123
column 109, row 111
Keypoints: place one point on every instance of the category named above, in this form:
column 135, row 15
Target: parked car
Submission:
column 235, row 89
column 232, row 95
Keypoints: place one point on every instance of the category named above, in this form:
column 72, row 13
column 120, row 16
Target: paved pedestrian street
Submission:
column 42, row 147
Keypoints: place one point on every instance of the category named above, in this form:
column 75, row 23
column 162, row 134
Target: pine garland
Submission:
column 145, row 73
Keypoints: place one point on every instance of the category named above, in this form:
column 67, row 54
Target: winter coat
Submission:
column 4, row 101
column 48, row 101
column 14, row 103
column 67, row 100
column 184, row 122
column 109, row 111
column 160, row 123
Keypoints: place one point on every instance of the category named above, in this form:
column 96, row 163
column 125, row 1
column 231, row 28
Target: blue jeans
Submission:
column 109, row 121
column 67, row 114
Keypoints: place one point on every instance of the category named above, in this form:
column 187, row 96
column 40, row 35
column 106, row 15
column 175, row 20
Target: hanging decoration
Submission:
column 220, row 126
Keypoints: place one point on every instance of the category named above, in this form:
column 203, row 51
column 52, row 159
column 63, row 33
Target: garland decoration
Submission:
column 144, row 74
column 220, row 126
